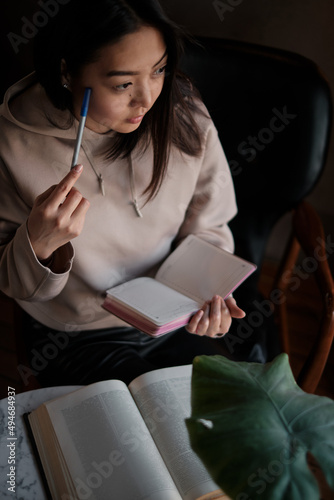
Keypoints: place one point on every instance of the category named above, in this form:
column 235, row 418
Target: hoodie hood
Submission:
column 27, row 105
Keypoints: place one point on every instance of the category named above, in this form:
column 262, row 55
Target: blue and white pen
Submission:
column 83, row 116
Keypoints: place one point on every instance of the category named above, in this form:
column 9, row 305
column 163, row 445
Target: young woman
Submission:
column 151, row 171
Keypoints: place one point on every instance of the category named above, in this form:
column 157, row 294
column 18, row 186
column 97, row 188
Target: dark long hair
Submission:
column 77, row 33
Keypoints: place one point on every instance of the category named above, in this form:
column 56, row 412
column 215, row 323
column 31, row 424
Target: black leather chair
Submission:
column 273, row 112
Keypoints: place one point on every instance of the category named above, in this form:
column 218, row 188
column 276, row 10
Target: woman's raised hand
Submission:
column 57, row 216
column 215, row 317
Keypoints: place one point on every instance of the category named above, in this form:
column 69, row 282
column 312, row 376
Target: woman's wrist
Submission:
column 47, row 262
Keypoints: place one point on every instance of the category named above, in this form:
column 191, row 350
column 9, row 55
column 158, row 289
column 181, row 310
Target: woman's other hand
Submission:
column 215, row 317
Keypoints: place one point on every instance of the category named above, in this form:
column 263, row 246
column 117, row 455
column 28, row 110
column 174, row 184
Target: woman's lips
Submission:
column 136, row 119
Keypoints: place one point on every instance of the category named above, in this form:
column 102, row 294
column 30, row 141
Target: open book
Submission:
column 109, row 441
column 192, row 274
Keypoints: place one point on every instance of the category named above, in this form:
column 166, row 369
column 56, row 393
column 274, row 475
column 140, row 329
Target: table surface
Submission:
column 18, row 448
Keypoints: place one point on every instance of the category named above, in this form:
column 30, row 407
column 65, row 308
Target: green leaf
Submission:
column 252, row 427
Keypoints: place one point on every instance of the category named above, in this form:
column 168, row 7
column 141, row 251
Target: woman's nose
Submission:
column 141, row 96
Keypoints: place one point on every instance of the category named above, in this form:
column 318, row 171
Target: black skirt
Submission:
column 81, row 358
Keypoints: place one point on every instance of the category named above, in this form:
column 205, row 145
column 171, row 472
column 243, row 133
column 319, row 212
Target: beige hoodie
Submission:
column 115, row 245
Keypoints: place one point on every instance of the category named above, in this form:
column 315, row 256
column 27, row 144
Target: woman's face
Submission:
column 126, row 80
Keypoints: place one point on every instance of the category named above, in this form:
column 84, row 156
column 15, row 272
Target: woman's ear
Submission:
column 65, row 78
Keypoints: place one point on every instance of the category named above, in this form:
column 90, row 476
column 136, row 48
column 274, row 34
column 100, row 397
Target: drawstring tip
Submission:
column 101, row 182
column 137, row 209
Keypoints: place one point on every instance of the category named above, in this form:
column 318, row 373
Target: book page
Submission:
column 200, row 270
column 163, row 398
column 153, row 300
column 106, row 446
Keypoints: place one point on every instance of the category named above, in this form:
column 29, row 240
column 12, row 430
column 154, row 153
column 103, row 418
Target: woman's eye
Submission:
column 123, row 86
column 161, row 70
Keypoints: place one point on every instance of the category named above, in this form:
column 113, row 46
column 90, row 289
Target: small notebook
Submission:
column 195, row 272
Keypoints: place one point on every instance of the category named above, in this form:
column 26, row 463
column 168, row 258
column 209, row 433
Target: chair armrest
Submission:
column 308, row 236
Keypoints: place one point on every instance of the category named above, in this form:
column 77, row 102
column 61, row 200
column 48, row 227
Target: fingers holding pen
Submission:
column 72, row 203
column 56, row 195
column 71, row 214
column 62, row 190
column 57, row 215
